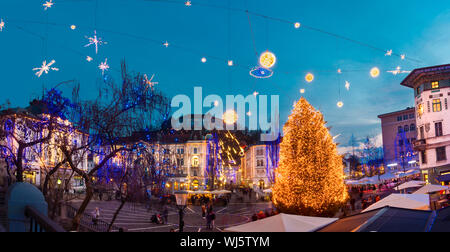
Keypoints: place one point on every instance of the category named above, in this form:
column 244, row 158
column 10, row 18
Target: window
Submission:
column 435, row 84
column 399, row 118
column 437, row 106
column 259, row 152
column 438, row 129
column 400, row 129
column 420, row 110
column 405, row 117
column 195, row 150
column 418, row 91
column 195, row 161
column 412, row 127
column 423, row 155
column 422, row 133
column 411, row 116
column 259, row 163
column 440, row 154
column 406, row 128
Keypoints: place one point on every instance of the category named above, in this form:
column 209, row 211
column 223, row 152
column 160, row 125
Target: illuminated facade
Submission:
column 432, row 93
column 258, row 166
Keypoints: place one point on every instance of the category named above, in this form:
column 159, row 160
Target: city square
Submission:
column 230, row 117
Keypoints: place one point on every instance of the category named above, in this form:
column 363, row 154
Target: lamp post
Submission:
column 181, row 197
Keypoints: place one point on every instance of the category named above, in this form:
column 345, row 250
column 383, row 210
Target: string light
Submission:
column 398, row 71
column 166, row 44
column 89, row 58
column 216, row 103
column 96, row 41
column 309, row 77
column 340, row 104
column 339, row 71
column 45, row 68
column 2, row 25
column 149, row 81
column 230, row 63
column 203, row 60
column 388, row 53
column 403, row 56
column 73, row 27
column 188, row 3
column 104, row 66
column 297, row 25
column 267, row 60
column 375, row 72
column 48, row 4
column 302, row 91
column 255, row 93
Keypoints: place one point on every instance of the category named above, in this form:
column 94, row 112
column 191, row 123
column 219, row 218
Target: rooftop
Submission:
column 423, row 74
column 407, row 110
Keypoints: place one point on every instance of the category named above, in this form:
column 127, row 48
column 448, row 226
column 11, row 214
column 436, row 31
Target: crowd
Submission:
column 267, row 213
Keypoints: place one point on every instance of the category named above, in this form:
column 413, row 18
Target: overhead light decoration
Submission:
column 302, row 91
column 48, row 4
column 340, row 104
column 230, row 117
column 2, row 25
column 297, row 25
column 104, row 66
column 89, row 58
column 166, row 44
column 403, row 56
column 230, row 63
column 203, row 60
column 188, row 3
column 261, row 72
column 150, row 81
column 267, row 60
column 309, row 77
column 375, row 72
column 73, row 27
column 347, row 85
column 398, row 70
column 255, row 93
column 388, row 53
column 45, row 68
column 96, row 41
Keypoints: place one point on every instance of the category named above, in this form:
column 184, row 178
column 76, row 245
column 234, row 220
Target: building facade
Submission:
column 399, row 132
column 258, row 166
column 431, row 87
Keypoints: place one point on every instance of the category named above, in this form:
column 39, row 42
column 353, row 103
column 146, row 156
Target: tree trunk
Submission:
column 89, row 194
column 122, row 203
column 19, row 166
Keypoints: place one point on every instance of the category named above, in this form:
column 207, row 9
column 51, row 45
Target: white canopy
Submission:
column 408, row 201
column 284, row 223
column 431, row 189
column 411, row 184
column 267, row 190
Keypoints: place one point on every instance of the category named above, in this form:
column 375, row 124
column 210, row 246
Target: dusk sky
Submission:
column 135, row 30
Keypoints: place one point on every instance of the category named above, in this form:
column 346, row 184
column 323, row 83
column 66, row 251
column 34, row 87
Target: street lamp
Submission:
column 181, row 197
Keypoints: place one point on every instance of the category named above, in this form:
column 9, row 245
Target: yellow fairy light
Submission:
column 203, row 60
column 309, row 77
column 340, row 104
column 267, row 59
column 302, row 91
column 375, row 72
column 230, row 117
column 73, row 27
column 297, row 25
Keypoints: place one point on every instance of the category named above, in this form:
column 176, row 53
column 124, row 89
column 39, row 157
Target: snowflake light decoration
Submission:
column 2, row 25
column 104, row 66
column 398, row 70
column 166, row 44
column 403, row 56
column 89, row 58
column 96, row 41
column 48, row 4
column 149, row 82
column 45, row 68
column 347, row 85
column 388, row 53
column 188, row 3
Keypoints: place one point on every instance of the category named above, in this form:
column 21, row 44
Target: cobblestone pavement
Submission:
column 136, row 217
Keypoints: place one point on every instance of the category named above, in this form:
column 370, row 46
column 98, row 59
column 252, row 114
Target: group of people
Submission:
column 161, row 218
column 209, row 215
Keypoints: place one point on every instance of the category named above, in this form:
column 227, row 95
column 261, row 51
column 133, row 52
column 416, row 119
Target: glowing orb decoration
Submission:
column 230, row 117
column 267, row 59
column 203, row 60
column 339, row 71
column 375, row 72
column 73, row 27
column 302, row 91
column 255, row 93
column 2, row 25
column 403, row 56
column 89, row 58
column 230, row 63
column 347, row 85
column 261, row 72
column 340, row 104
column 297, row 25
column 188, row 3
column 309, row 77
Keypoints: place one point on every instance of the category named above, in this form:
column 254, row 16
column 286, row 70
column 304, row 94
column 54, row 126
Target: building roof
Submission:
column 397, row 112
column 423, row 74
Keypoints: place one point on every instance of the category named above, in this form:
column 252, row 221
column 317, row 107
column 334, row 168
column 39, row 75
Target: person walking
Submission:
column 203, row 211
column 213, row 218
column 96, row 215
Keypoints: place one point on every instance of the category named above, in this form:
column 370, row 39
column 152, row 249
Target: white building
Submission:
column 259, row 164
column 432, row 93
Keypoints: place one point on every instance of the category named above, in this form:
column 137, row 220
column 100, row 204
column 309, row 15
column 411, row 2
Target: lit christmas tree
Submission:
column 310, row 177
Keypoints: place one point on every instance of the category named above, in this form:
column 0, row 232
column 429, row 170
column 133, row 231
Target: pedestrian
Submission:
column 96, row 215
column 213, row 218
column 166, row 215
column 100, row 195
column 203, row 211
column 208, row 221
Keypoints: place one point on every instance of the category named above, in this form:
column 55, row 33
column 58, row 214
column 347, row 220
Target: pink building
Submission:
column 399, row 133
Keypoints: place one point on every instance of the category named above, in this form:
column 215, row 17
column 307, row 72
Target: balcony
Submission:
column 420, row 145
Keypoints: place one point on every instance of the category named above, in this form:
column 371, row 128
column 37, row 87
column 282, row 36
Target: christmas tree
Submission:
column 310, row 177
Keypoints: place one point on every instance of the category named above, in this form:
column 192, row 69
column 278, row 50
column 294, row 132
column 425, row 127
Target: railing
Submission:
column 41, row 223
column 419, row 144
column 87, row 222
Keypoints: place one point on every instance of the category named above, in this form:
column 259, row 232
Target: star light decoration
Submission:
column 2, row 25
column 188, row 3
column 388, row 53
column 398, row 70
column 89, row 58
column 96, row 41
column 104, row 66
column 45, row 68
column 166, row 44
column 149, row 82
column 48, row 4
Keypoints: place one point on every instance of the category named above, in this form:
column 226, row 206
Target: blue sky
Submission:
column 416, row 28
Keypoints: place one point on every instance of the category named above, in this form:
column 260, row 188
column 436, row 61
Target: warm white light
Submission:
column 255, row 93
column 96, row 41
column 302, row 91
column 267, row 59
column 203, row 60
column 2, row 25
column 104, row 66
column 216, row 103
column 230, row 63
column 73, row 27
column 89, row 58
column 230, row 117
column 309, row 77
column 297, row 25
column 375, row 72
column 340, row 104
column 347, row 85
column 45, row 68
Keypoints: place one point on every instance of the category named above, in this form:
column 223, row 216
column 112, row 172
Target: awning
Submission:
column 444, row 178
column 406, row 201
column 431, row 189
